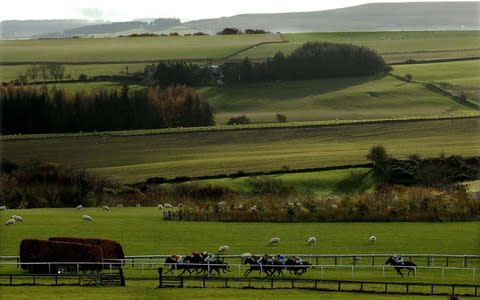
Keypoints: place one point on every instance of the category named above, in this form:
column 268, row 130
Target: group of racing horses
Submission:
column 196, row 265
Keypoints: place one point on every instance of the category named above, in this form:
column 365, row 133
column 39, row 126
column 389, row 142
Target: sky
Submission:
column 186, row 10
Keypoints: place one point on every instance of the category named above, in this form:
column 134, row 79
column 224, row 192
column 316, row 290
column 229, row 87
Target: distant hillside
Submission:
column 13, row 29
column 368, row 17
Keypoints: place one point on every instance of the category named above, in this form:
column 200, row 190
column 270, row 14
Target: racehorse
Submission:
column 189, row 264
column 216, row 265
column 255, row 266
column 410, row 266
column 297, row 269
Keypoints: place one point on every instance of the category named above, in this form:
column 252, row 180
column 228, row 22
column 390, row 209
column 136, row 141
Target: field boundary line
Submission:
column 262, row 126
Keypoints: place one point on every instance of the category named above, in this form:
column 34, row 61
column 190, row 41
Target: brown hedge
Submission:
column 32, row 250
column 111, row 249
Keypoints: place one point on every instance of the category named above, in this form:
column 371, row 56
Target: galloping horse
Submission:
column 189, row 264
column 217, row 266
column 410, row 266
column 297, row 269
column 254, row 266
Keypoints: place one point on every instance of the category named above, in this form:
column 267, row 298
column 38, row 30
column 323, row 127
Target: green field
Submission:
column 142, row 231
column 329, row 99
column 321, row 182
column 127, row 49
column 455, row 77
column 387, row 42
column 134, row 158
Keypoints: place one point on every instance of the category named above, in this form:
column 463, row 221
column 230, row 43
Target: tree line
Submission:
column 31, row 109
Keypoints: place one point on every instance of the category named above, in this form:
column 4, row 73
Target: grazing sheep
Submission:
column 10, row 222
column 119, row 205
column 274, row 241
column 79, row 207
column 334, row 206
column 223, row 249
column 105, row 207
column 372, row 239
column 312, row 240
column 3, row 207
column 160, row 206
column 137, row 205
column 222, row 203
column 17, row 218
column 167, row 205
column 87, row 218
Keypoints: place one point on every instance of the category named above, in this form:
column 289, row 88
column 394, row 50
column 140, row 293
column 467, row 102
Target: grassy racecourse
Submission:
column 134, row 158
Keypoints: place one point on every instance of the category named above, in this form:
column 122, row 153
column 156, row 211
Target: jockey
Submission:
column 178, row 258
column 297, row 260
column 258, row 259
column 196, row 254
column 281, row 258
column 267, row 258
column 398, row 259
column 208, row 258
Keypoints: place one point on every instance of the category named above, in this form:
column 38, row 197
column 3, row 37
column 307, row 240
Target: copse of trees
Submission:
column 310, row 61
column 167, row 73
column 28, row 109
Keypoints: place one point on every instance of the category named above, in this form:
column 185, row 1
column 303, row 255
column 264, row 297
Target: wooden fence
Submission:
column 383, row 287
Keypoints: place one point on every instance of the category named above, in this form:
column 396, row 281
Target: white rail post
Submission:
column 321, row 271
column 383, row 270
column 49, row 272
column 239, row 270
column 473, row 274
column 352, row 271
column 151, row 262
column 142, row 268
column 443, row 273
column 78, row 268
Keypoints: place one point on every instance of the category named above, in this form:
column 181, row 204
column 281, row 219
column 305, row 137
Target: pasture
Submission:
column 142, row 231
column 135, row 158
column 127, row 49
column 409, row 43
column 329, row 99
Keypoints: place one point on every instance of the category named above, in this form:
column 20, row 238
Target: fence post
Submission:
column 261, row 270
column 56, row 279
column 18, row 262
column 447, row 261
column 352, row 271
column 33, row 279
column 271, row 283
column 386, row 289
column 226, row 282
column 49, row 272
column 407, row 288
column 204, row 281
column 239, row 266
column 10, row 279
column 316, row 260
column 78, row 268
column 110, row 267
column 321, row 271
column 373, row 260
column 335, row 260
column 151, row 262
column 464, row 261
column 473, row 274
column 383, row 271
column 160, row 277
column 133, row 261
column 443, row 273
column 142, row 268
column 428, row 260
column 316, row 283
column 339, row 286
column 433, row 260
column 293, row 283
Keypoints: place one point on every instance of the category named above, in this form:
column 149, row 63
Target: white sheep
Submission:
column 312, row 240
column 87, row 218
column 137, row 205
column 372, row 239
column 274, row 241
column 222, row 203
column 224, row 248
column 10, row 222
column 17, row 218
column 119, row 205
column 105, row 207
column 167, row 205
column 3, row 207
column 160, row 206
column 79, row 207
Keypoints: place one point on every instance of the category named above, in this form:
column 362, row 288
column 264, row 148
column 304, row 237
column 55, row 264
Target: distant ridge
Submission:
column 367, row 17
